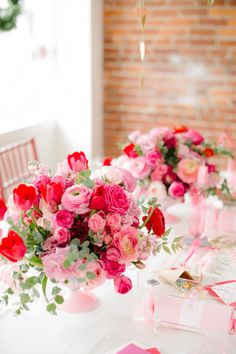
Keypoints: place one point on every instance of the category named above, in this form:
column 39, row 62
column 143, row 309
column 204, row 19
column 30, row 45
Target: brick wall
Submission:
column 190, row 68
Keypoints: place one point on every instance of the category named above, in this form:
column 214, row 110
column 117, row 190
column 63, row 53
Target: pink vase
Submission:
column 197, row 218
column 80, row 301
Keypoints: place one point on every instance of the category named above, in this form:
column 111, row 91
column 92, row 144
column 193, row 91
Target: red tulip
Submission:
column 3, row 209
column 24, row 196
column 130, row 151
column 77, row 161
column 107, row 161
column 13, row 247
column 53, row 192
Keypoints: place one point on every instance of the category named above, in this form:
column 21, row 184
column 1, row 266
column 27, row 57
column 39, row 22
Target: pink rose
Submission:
column 157, row 190
column 139, row 167
column 187, row 170
column 113, row 268
column 122, row 284
column 152, row 157
column 76, row 199
column 126, row 241
column 159, row 172
column 134, row 136
column 61, row 235
column 145, row 143
column 96, row 223
column 113, row 221
column 159, row 133
column 63, row 218
column 116, row 200
column 96, row 268
column 193, row 136
column 176, row 190
column 129, row 181
column 112, row 254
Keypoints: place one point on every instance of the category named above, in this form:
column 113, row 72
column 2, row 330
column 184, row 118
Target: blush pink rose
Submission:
column 76, row 199
column 63, row 218
column 61, row 235
column 145, row 143
column 152, row 157
column 159, row 133
column 187, row 170
column 157, row 190
column 116, row 200
column 112, row 254
column 113, row 221
column 122, row 284
column 112, row 268
column 96, row 223
column 126, row 241
column 129, row 181
column 193, row 136
column 140, row 169
column 134, row 136
column 176, row 190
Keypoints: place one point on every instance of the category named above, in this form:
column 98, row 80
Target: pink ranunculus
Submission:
column 122, row 284
column 76, row 199
column 159, row 133
column 54, row 265
column 113, row 221
column 112, row 254
column 96, row 268
column 61, row 235
column 140, row 169
column 112, row 268
column 63, row 218
column 157, row 190
column 116, row 200
column 145, row 143
column 129, row 181
column 183, row 151
column 159, row 172
column 96, row 223
column 152, row 157
column 126, row 241
column 176, row 190
column 134, row 136
column 193, row 136
column 187, row 170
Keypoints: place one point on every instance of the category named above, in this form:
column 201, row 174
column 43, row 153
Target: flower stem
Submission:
column 148, row 218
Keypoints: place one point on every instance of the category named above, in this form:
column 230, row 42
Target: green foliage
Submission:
column 83, row 177
column 8, row 16
column 138, row 150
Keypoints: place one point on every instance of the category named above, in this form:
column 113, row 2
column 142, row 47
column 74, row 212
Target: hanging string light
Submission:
column 142, row 15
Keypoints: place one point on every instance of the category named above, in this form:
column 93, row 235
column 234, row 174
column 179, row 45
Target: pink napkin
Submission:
column 132, row 349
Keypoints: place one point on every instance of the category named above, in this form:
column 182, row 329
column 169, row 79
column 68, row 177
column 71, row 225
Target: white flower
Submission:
column 157, row 190
column 112, row 174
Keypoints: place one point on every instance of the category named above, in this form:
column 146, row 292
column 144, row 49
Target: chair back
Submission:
column 14, row 159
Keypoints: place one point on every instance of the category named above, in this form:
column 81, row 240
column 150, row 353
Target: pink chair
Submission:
column 14, row 159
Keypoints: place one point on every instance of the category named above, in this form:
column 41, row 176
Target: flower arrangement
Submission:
column 71, row 227
column 167, row 162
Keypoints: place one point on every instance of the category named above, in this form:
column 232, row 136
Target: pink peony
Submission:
column 176, row 190
column 129, row 181
column 113, row 221
column 126, row 241
column 152, row 157
column 122, row 284
column 112, row 254
column 193, row 136
column 63, row 218
column 116, row 200
column 61, row 235
column 96, row 223
column 140, row 169
column 159, row 172
column 187, row 170
column 76, row 199
column 113, row 268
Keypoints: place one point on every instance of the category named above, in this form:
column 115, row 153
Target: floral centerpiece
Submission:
column 70, row 228
column 167, row 162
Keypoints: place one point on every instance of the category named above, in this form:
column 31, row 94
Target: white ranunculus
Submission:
column 157, row 190
column 112, row 174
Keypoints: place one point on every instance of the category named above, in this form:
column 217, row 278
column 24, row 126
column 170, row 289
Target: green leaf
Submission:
column 166, row 249
column 30, row 282
column 81, row 280
column 85, row 244
column 92, row 257
column 36, row 261
column 18, row 312
column 51, row 308
column 10, row 291
column 26, row 307
column 90, row 275
column 144, row 209
column 177, row 239
column 83, row 266
column 138, row 150
column 44, row 286
column 75, row 242
column 56, row 290
column 36, row 292
column 24, row 298
column 173, row 247
column 67, row 263
column 59, row 299
column 24, row 268
column 167, row 232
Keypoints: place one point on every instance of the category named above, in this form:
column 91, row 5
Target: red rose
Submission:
column 122, row 284
column 13, row 247
column 208, row 152
column 180, row 129
column 77, row 161
column 97, row 199
column 24, row 196
column 156, row 223
column 107, row 161
column 3, row 209
column 112, row 268
column 130, row 151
